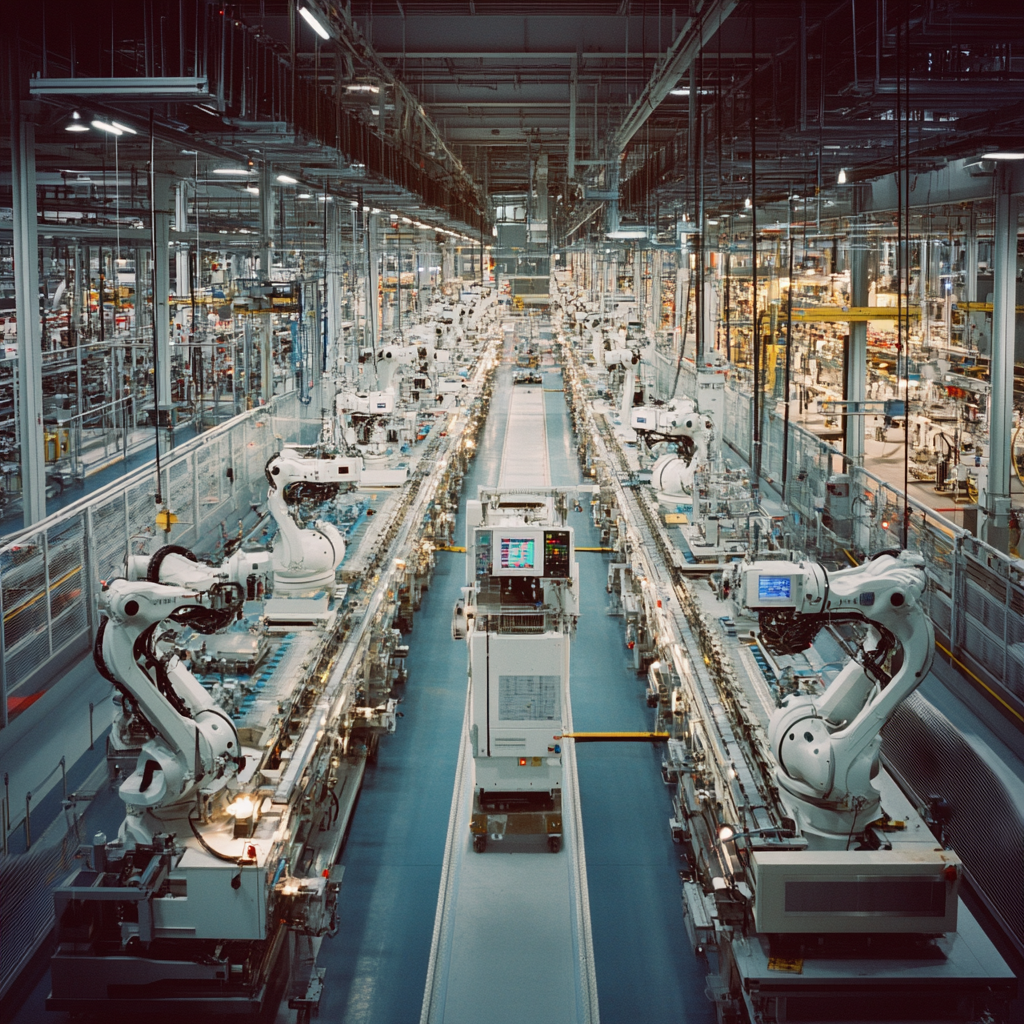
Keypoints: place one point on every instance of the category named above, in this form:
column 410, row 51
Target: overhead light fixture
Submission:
column 124, row 128
column 627, row 233
column 76, row 124
column 1003, row 155
column 303, row 195
column 842, row 176
column 109, row 128
column 375, row 210
column 314, row 24
column 406, row 220
column 242, row 171
column 684, row 90
column 713, row 222
column 253, row 189
column 362, row 87
column 746, row 203
column 287, row 179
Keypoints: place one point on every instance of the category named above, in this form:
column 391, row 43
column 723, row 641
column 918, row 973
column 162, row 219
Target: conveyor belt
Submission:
column 512, row 935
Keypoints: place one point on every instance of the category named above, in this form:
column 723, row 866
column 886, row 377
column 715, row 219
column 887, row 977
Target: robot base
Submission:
column 497, row 815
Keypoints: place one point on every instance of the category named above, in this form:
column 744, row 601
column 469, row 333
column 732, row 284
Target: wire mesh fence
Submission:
column 50, row 575
column 976, row 593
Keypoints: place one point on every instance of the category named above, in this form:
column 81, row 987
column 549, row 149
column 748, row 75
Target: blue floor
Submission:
column 645, row 968
column 377, row 964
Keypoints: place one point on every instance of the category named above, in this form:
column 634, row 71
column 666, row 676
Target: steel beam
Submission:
column 696, row 34
column 142, row 90
column 30, row 334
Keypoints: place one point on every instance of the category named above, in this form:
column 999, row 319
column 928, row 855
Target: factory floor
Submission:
column 376, row 965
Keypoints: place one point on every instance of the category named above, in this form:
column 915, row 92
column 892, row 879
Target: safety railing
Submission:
column 50, row 574
column 976, row 592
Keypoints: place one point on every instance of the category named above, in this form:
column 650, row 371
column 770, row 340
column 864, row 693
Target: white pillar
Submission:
column 995, row 497
column 857, row 354
column 30, row 330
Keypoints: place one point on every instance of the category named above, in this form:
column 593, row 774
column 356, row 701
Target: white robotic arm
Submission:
column 193, row 743
column 826, row 746
column 305, row 559
column 688, row 431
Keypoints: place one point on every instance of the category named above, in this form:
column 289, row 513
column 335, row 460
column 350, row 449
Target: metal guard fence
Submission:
column 50, row 575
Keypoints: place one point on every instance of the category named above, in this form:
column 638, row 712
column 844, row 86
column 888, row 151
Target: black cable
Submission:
column 155, row 304
column 755, row 452
column 207, row 847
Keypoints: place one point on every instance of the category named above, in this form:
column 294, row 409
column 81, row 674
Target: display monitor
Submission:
column 774, row 588
column 519, row 554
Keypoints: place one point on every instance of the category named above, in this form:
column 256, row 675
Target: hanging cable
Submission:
column 755, row 448
column 155, row 304
column 789, row 355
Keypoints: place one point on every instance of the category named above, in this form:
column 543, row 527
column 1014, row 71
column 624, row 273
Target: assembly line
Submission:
column 512, row 513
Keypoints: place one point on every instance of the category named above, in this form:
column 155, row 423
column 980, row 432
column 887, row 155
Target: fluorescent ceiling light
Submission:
column 361, row 87
column 314, row 24
column 1003, row 155
column 76, row 126
column 244, row 172
column 124, row 128
column 287, row 179
column 842, row 176
column 713, row 222
column 104, row 127
column 303, row 195
column 253, row 189
column 637, row 233
column 684, row 90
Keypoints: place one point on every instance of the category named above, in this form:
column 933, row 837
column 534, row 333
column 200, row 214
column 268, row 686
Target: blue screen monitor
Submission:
column 774, row 588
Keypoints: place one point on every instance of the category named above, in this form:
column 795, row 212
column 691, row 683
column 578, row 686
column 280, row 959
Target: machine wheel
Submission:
column 554, row 843
column 479, row 843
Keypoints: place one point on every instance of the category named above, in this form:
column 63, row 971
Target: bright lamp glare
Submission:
column 241, row 808
column 124, row 128
column 76, row 126
column 104, row 127
column 287, row 179
column 314, row 24
column 725, row 833
column 842, row 176
column 1005, row 155
column 241, row 171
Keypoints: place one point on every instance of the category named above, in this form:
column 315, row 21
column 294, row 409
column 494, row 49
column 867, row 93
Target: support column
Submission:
column 30, row 331
column 266, row 255
column 855, row 384
column 570, row 171
column 162, row 289
column 373, row 305
column 994, row 499
column 181, row 255
column 971, row 261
